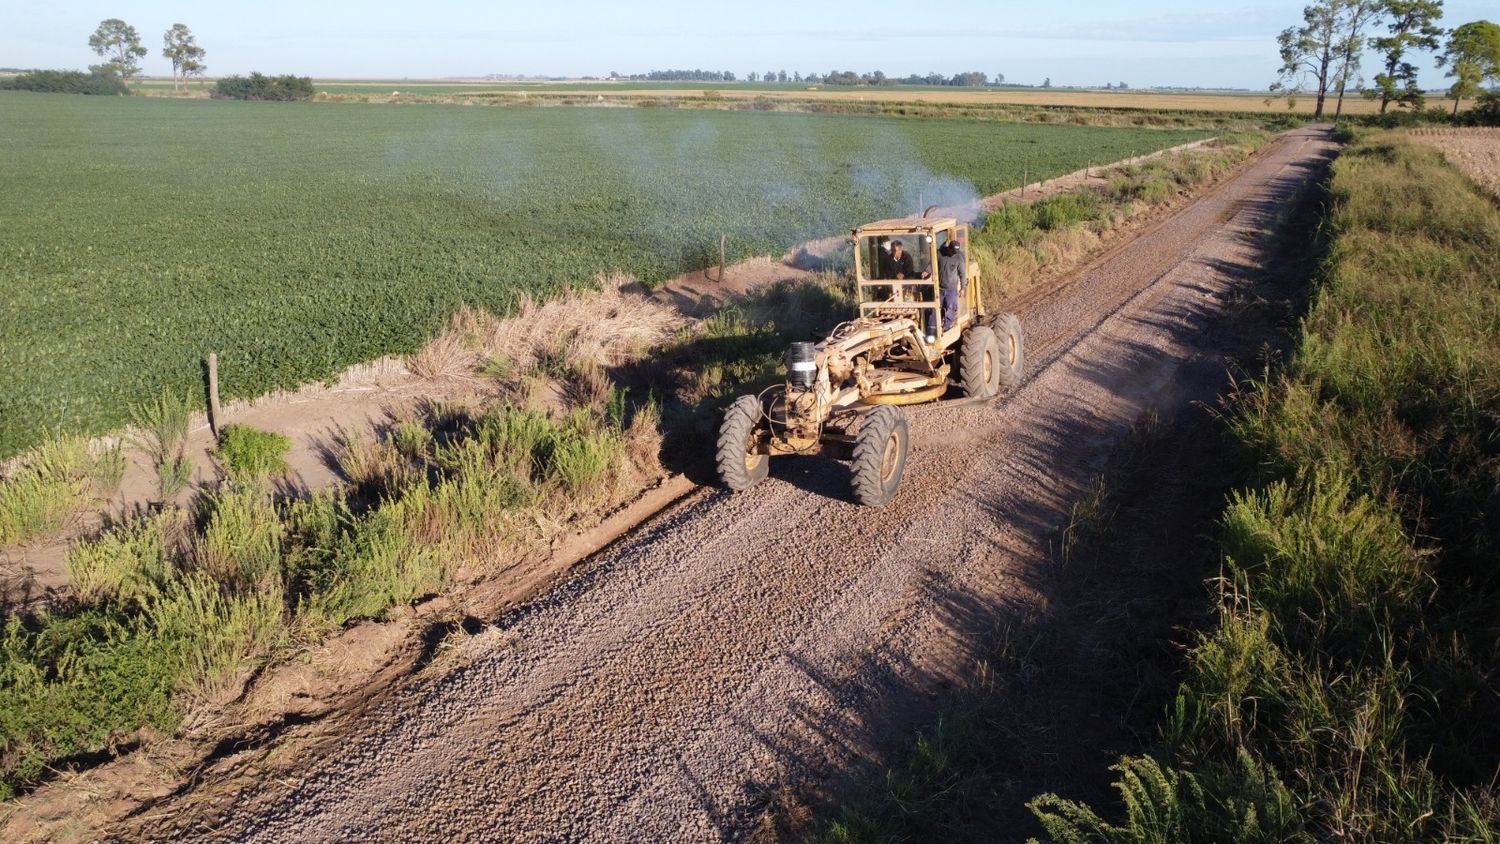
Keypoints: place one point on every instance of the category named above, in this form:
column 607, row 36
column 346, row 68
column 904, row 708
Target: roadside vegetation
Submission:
column 173, row 609
column 48, row 487
column 1345, row 690
column 1020, row 240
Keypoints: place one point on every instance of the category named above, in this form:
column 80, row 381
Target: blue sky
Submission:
column 1148, row 42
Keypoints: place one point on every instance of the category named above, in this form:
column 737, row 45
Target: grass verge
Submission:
column 1347, row 691
column 174, row 610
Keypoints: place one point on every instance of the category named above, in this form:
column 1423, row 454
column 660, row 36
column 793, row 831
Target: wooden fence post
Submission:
column 214, row 412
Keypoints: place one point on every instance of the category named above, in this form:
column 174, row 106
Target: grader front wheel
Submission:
column 879, row 456
column 739, row 468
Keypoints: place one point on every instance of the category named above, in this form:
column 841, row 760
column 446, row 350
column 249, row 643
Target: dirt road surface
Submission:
column 738, row 643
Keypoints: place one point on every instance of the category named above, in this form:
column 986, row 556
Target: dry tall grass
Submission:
column 605, row 327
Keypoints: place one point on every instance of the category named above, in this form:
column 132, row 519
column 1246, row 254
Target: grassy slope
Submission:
column 139, row 234
column 1348, row 691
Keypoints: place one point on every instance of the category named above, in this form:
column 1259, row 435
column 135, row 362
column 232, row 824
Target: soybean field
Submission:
column 295, row 239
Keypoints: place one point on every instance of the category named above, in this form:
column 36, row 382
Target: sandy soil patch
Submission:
column 1474, row 151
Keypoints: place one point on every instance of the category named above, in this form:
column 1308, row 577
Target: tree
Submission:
column 119, row 45
column 1412, row 26
column 1472, row 56
column 1358, row 15
column 182, row 50
column 999, row 79
column 1308, row 51
column 1047, row 83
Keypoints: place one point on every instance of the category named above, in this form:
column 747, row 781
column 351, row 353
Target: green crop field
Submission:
column 138, row 234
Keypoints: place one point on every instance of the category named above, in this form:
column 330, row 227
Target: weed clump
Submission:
column 251, row 456
column 50, row 484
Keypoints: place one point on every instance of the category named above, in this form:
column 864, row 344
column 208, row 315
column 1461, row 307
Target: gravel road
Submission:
column 736, row 643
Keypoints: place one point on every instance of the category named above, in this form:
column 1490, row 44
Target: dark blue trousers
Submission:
column 950, row 308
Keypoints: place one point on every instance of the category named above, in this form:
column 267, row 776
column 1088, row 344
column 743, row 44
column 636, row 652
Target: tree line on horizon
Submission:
column 973, row 78
column 1325, row 53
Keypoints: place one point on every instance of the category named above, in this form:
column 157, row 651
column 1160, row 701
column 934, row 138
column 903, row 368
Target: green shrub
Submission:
column 1329, row 565
column 250, row 455
column 32, row 506
column 1165, row 806
column 1065, row 210
column 161, row 432
column 259, row 87
column 109, row 467
column 582, row 459
column 517, row 439
column 45, row 490
column 128, row 564
column 70, row 685
column 214, row 634
column 75, row 684
column 1012, row 225
column 66, row 82
column 240, row 545
column 412, row 439
column 372, row 566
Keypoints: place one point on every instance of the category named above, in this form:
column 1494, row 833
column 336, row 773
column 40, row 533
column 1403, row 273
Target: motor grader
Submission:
column 843, row 396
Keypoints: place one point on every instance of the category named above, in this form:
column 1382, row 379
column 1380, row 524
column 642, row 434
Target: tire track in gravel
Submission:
column 738, row 642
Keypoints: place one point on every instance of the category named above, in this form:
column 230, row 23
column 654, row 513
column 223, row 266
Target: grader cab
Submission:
column 842, row 396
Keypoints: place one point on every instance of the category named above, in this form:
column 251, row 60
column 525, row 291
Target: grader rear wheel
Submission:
column 1012, row 349
column 879, row 456
column 979, row 362
column 740, row 469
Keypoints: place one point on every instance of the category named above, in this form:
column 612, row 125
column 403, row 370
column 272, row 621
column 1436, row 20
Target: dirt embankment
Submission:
column 735, row 644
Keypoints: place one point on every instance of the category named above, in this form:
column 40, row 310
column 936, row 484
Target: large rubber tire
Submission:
column 879, row 456
column 738, row 468
column 979, row 363
column 1007, row 330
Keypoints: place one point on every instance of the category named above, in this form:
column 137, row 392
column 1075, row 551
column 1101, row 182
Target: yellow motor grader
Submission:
column 842, row 396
